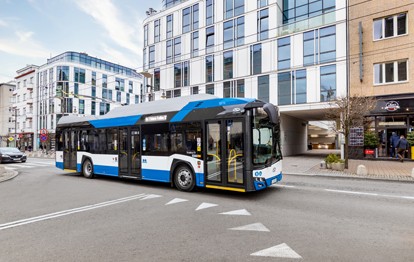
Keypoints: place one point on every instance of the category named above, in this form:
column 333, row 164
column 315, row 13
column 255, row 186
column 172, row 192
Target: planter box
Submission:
column 338, row 166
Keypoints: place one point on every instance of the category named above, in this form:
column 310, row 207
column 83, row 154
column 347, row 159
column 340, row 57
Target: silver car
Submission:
column 11, row 154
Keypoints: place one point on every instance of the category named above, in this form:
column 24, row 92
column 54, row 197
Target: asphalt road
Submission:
column 49, row 215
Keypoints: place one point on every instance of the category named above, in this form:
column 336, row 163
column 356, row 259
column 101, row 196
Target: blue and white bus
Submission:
column 189, row 142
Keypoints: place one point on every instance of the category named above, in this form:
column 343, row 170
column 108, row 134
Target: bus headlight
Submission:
column 260, row 179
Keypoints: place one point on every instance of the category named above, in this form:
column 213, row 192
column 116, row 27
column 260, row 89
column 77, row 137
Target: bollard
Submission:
column 322, row 165
column 362, row 170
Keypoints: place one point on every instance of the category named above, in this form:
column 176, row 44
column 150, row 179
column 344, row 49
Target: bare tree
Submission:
column 346, row 113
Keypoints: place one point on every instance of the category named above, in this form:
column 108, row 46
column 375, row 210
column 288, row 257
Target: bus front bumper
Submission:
column 264, row 183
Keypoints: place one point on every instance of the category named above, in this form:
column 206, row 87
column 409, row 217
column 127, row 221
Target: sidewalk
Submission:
column 309, row 164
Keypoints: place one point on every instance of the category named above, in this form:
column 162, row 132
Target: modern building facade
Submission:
column 6, row 115
column 72, row 84
column 380, row 58
column 290, row 53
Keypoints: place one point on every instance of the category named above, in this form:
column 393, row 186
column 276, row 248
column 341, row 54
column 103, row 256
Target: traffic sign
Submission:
column 11, row 139
column 43, row 137
column 43, row 131
column 20, row 135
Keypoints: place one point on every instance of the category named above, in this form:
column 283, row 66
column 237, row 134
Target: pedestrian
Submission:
column 401, row 148
column 393, row 144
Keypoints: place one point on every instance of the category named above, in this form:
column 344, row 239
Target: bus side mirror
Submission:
column 272, row 112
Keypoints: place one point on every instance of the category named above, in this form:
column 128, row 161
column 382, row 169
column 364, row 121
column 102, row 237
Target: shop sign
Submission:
column 369, row 151
column 392, row 106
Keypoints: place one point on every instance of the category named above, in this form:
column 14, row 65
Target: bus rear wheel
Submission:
column 184, row 178
column 87, row 169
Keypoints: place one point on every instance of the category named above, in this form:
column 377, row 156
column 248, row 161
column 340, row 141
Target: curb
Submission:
column 9, row 175
column 356, row 177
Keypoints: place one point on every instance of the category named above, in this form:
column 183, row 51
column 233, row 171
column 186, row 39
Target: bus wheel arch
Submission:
column 87, row 167
column 183, row 176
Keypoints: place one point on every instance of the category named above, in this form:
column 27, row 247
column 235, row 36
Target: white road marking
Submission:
column 281, row 250
column 36, row 164
column 240, row 212
column 69, row 212
column 352, row 192
column 252, row 227
column 10, row 168
column 176, row 200
column 150, row 197
column 205, row 205
column 276, row 185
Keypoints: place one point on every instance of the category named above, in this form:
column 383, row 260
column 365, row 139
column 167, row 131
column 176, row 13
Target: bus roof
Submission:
column 173, row 110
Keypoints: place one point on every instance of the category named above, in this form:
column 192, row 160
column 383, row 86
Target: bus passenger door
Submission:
column 129, row 154
column 225, row 153
column 69, row 152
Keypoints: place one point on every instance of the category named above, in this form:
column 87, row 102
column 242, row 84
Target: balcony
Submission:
column 303, row 25
column 29, row 115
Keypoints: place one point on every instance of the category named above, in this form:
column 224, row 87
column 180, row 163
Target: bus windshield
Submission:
column 266, row 144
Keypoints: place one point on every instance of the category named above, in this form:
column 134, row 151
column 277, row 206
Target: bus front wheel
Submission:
column 87, row 169
column 184, row 178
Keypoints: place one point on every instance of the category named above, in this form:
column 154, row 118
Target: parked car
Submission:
column 11, row 154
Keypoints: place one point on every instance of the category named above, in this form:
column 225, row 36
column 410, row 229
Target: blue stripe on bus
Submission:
column 200, row 179
column 59, row 165
column 208, row 104
column 115, row 122
column 156, row 175
column 262, row 185
column 105, row 170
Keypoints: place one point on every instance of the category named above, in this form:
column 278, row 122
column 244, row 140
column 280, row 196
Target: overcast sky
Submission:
column 31, row 31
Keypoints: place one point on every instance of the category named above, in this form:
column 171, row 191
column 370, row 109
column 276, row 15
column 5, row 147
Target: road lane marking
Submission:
column 252, row 227
column 69, row 211
column 205, row 205
column 176, row 200
column 240, row 212
column 281, row 250
column 351, row 192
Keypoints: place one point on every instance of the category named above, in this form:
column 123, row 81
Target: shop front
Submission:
column 392, row 115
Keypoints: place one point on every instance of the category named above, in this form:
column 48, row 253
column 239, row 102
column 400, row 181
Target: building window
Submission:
column 136, row 99
column 263, row 88
column 75, row 89
column 157, row 79
column 390, row 26
column 390, row 72
column 194, row 44
column 145, row 35
column 210, row 89
column 233, row 8
column 156, row 31
column 294, row 11
column 181, row 74
column 262, row 3
column 195, row 17
column 328, row 83
column 262, row 24
column 169, row 26
column 292, row 87
column 194, row 90
column 144, row 59
column 186, row 20
column 209, row 12
column 177, row 49
column 79, row 75
column 233, row 88
column 93, row 80
column 151, row 56
column 209, row 68
column 120, row 84
column 118, row 96
column 227, row 65
column 128, row 99
column 319, row 46
column 233, row 33
column 130, row 87
column 81, row 106
column 93, row 108
column 256, row 59
column 283, row 51
column 169, row 52
column 209, row 39
column 62, row 73
column 104, row 81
